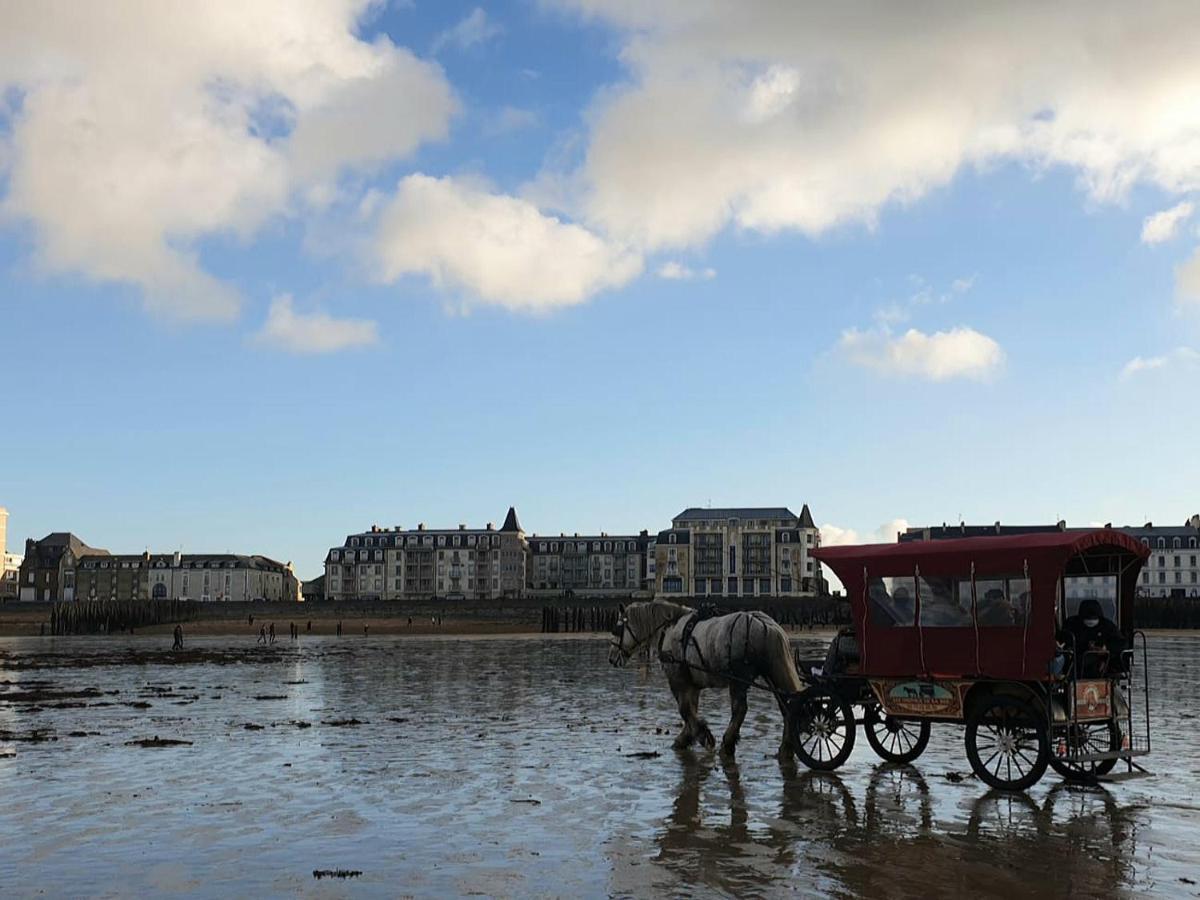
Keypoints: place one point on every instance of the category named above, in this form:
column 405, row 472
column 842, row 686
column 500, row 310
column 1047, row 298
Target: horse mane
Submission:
column 648, row 618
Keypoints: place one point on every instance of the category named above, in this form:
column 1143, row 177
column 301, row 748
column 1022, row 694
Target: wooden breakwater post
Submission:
column 108, row 616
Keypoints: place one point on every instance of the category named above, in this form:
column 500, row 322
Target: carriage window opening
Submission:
column 1102, row 588
column 892, row 601
column 943, row 602
column 1001, row 601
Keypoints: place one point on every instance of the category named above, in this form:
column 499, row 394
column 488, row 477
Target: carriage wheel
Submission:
column 823, row 729
column 1006, row 743
column 894, row 740
column 1090, row 737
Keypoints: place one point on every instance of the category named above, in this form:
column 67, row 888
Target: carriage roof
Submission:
column 1042, row 558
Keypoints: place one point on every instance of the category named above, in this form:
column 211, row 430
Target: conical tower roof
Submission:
column 511, row 522
column 806, row 519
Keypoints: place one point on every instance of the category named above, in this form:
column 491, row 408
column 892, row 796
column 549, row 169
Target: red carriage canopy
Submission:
column 983, row 606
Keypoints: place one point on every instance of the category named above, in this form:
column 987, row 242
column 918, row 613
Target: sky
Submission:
column 271, row 273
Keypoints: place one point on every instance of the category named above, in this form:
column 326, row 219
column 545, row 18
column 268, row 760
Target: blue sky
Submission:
column 410, row 263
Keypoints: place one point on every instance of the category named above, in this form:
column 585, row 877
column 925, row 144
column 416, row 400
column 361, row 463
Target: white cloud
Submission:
column 474, row 29
column 143, row 129
column 499, row 249
column 508, row 119
column 313, row 332
column 958, row 353
column 1187, row 282
column 796, row 116
column 1162, row 226
column 1180, row 356
column 836, row 536
column 677, row 271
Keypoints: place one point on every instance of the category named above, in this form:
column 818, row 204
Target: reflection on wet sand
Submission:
column 519, row 768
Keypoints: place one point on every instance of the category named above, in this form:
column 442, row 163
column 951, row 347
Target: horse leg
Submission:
column 684, row 699
column 699, row 726
column 737, row 709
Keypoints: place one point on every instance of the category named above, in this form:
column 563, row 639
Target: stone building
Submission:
column 1173, row 569
column 739, row 552
column 220, row 577
column 61, row 568
column 47, row 572
column 601, row 565
column 400, row 564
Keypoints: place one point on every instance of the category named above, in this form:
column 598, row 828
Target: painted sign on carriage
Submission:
column 1092, row 698
column 919, row 698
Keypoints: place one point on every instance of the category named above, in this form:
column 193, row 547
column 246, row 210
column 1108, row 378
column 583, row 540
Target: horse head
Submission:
column 624, row 641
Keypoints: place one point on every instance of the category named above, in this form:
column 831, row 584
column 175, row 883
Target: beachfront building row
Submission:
column 1173, row 569
column 754, row 551
column 739, row 552
column 62, row 568
column 10, row 563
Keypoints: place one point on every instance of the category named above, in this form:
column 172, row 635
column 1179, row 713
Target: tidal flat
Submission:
column 384, row 766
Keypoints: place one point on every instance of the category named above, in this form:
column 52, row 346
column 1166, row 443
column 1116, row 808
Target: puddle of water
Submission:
column 520, row 767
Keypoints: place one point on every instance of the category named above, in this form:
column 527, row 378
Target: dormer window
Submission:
column 671, row 539
column 786, row 538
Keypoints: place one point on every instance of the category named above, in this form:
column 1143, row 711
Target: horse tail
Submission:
column 782, row 667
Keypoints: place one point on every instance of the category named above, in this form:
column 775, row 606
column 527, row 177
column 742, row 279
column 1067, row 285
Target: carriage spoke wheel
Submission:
column 1090, row 737
column 1006, row 743
column 823, row 731
column 892, row 739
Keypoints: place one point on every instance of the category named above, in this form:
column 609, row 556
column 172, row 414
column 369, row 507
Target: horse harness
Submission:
column 705, row 612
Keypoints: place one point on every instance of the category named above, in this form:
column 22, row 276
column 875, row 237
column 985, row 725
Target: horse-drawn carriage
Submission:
column 971, row 631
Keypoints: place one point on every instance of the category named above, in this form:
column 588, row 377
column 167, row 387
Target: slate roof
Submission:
column 698, row 513
column 511, row 523
column 806, row 519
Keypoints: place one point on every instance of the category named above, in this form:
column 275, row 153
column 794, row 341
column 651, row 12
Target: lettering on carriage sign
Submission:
column 1091, row 699
column 919, row 698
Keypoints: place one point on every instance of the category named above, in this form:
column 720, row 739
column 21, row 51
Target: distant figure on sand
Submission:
column 250, row 619
column 366, row 629
column 178, row 645
column 310, row 626
column 339, row 628
column 262, row 634
column 272, row 633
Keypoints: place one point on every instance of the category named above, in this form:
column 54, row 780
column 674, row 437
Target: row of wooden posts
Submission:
column 111, row 616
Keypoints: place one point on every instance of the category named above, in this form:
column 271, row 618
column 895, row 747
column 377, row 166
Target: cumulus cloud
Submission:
column 1187, row 282
column 313, row 332
column 677, row 271
column 474, row 29
column 1180, row 356
column 793, row 115
column 142, row 129
column 1162, row 226
column 496, row 248
column 958, row 353
column 835, row 536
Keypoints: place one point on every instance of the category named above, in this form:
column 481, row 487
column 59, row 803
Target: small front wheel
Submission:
column 1006, row 743
column 892, row 739
column 823, row 730
column 1083, row 738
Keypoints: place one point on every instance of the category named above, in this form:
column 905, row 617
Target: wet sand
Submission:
column 519, row 767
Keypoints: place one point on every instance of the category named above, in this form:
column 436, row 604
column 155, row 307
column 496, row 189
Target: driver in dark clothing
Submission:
column 1094, row 640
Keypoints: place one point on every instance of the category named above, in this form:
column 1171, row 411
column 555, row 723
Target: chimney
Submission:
column 491, row 527
column 176, row 559
column 420, row 526
column 1062, row 524
column 462, row 527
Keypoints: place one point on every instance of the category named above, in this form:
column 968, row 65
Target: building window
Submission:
column 747, row 586
column 671, row 539
column 732, row 563
column 764, row 585
column 1162, row 577
column 732, row 586
column 785, row 585
column 786, row 538
column 699, row 585
column 673, row 585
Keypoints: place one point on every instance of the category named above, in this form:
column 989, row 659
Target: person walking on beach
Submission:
column 339, row 628
column 366, row 629
column 178, row 645
column 310, row 626
column 262, row 634
column 272, row 634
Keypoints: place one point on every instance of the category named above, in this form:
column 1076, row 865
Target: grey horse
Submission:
column 728, row 651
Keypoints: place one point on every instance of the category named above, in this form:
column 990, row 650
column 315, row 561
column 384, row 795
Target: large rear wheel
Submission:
column 892, row 739
column 1006, row 743
column 823, row 730
column 1083, row 738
